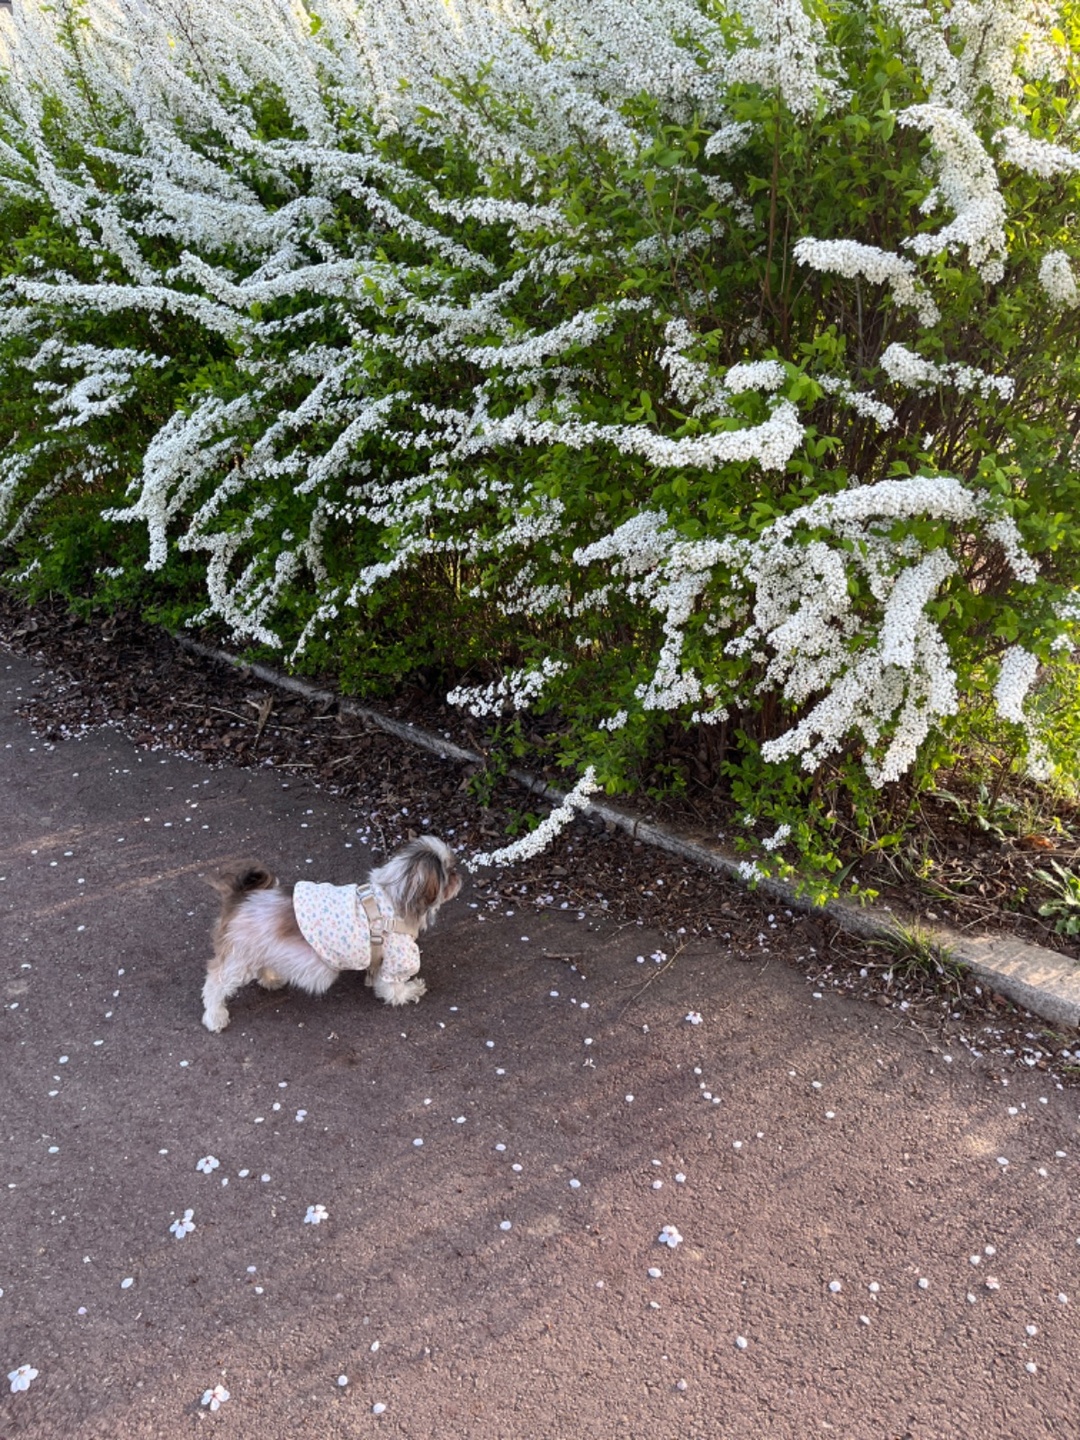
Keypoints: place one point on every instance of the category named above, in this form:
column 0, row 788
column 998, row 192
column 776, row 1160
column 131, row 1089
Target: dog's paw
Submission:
column 215, row 1020
column 400, row 992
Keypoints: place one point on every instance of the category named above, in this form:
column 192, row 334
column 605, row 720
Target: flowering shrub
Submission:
column 708, row 362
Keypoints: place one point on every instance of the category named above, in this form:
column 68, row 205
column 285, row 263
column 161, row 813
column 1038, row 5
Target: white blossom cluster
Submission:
column 900, row 679
column 691, row 382
column 673, row 576
column 1057, row 279
column 705, row 387
column 1002, row 43
column 105, row 383
column 755, row 375
column 539, row 839
column 967, row 183
column 865, row 405
column 784, row 49
column 616, row 721
column 1035, row 156
column 1017, row 674
column 850, row 258
column 517, row 689
column 972, row 44
column 1015, row 678
column 889, row 684
column 904, row 367
column 728, row 137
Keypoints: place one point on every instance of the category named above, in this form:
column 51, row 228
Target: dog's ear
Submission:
column 425, row 882
column 431, row 880
column 433, row 888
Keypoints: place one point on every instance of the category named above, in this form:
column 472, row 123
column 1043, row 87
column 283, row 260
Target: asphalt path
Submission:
column 876, row 1241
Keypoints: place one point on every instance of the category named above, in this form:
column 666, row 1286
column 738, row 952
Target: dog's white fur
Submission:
column 257, row 936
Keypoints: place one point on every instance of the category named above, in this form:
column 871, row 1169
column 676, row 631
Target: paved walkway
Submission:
column 832, row 1177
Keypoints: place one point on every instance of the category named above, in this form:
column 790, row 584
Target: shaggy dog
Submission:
column 306, row 934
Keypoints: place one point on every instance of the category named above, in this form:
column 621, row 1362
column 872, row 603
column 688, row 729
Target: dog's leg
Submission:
column 215, row 1012
column 269, row 979
column 222, row 982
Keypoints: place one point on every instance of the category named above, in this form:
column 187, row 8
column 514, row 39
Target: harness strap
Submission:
column 377, row 926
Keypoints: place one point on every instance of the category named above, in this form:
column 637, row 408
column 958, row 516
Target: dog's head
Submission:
column 422, row 876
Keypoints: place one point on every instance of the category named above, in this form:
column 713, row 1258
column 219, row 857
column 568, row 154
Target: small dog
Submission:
column 306, row 934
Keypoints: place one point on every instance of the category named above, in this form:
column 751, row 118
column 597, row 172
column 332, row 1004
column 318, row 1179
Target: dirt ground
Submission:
column 821, row 1155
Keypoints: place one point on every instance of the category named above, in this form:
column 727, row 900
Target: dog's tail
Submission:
column 239, row 881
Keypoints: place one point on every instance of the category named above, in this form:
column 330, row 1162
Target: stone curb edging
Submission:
column 1041, row 980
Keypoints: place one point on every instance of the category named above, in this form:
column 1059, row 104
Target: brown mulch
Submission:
column 120, row 672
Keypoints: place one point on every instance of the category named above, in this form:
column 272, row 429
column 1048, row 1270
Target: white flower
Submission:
column 862, row 404
column 615, row 722
column 184, row 1226
column 316, row 1214
column 669, row 1236
column 1057, row 279
column 755, row 375
column 851, row 258
column 728, row 138
column 207, row 1164
column 20, row 1379
column 967, row 181
column 215, row 1398
column 517, row 689
column 1036, row 157
column 537, row 840
column 785, row 49
column 906, row 368
column 750, row 872
column 1015, row 678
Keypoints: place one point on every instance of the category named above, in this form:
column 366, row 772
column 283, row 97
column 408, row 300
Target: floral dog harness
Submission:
column 353, row 927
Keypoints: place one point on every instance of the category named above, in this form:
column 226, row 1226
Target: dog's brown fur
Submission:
column 232, row 885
